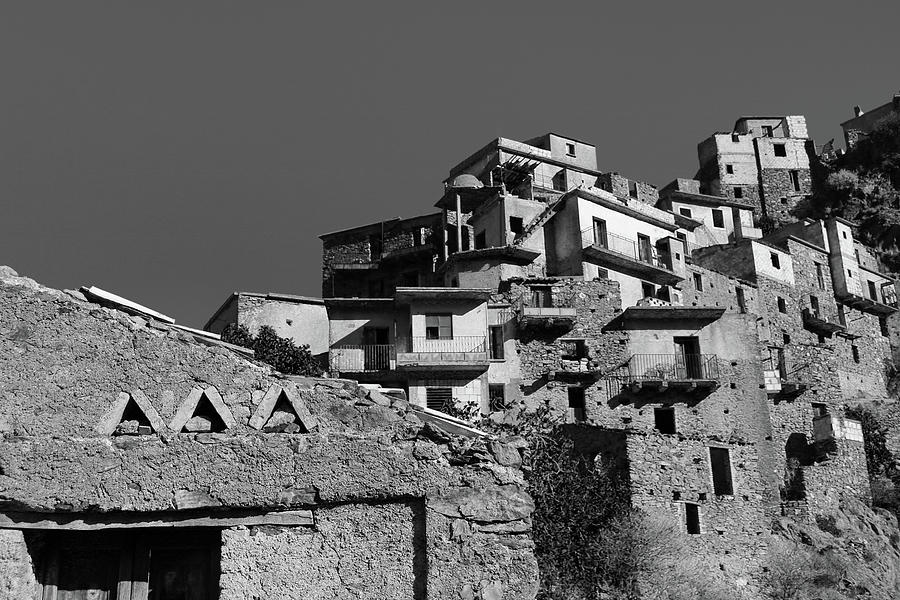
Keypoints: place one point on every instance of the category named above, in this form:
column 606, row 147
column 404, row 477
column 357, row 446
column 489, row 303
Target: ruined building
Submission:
column 712, row 361
column 863, row 122
column 139, row 459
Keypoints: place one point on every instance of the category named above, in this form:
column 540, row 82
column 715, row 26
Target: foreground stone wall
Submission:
column 392, row 499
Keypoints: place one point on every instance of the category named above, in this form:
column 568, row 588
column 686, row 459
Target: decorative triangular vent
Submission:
column 203, row 411
column 282, row 412
column 131, row 414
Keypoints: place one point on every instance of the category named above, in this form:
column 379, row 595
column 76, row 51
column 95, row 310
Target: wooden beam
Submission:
column 105, row 521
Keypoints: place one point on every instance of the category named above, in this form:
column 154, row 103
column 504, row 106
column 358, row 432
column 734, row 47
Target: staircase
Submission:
column 539, row 220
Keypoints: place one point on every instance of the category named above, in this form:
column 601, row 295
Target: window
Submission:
column 698, row 282
column 820, row 276
column 664, row 419
column 767, row 130
column 600, row 238
column 573, row 349
column 844, row 233
column 602, row 273
column 439, row 327
column 692, row 518
column 438, row 398
column 819, row 409
column 882, row 322
column 452, row 242
column 648, row 290
column 480, row 240
column 776, row 260
column 735, row 138
column 576, row 402
column 496, row 332
column 741, row 301
column 570, row 149
column 729, row 169
column 855, row 351
column 842, row 317
column 873, row 292
column 632, row 189
column 795, row 180
column 782, row 305
column 645, row 250
column 718, row 218
column 497, row 397
column 720, row 464
column 515, row 225
column 738, row 192
column 785, row 338
column 814, row 306
column 559, row 181
column 685, row 212
column 856, row 254
column 541, row 297
column 780, row 149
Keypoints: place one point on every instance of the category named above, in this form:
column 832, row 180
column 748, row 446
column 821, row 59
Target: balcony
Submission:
column 819, row 324
column 627, row 256
column 369, row 358
column 869, row 305
column 460, row 353
column 547, row 316
column 778, row 380
column 685, row 372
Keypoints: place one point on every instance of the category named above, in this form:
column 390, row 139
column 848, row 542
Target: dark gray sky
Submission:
column 173, row 152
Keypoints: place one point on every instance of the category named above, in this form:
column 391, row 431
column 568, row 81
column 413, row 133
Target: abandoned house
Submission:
column 142, row 460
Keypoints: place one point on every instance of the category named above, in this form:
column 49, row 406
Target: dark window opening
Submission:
column 698, row 281
column 873, row 291
column 570, row 149
column 648, row 290
column 776, row 260
column 133, row 421
column 515, row 225
column 497, row 397
column 496, row 342
column 632, row 189
column 819, row 409
column 205, row 419
column 375, row 247
column 688, row 363
column 883, row 324
column 720, row 463
column 735, row 138
column 718, row 218
column 685, row 212
column 795, row 180
column 645, row 249
column 767, row 130
column 664, row 419
column 573, row 349
column 692, row 518
column 541, row 297
column 855, row 351
column 559, row 181
column 814, row 306
column 438, row 327
column 452, row 242
column 741, row 301
column 600, row 238
column 729, row 169
column 780, row 149
column 438, row 398
column 480, row 240
column 820, row 276
column 738, row 192
column 842, row 316
column 782, row 305
column 376, row 352
column 576, row 402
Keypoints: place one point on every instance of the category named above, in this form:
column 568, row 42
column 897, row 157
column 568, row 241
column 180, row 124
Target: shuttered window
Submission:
column 439, row 327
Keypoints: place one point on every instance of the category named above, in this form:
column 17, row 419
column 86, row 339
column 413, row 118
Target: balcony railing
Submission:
column 626, row 248
column 459, row 350
column 363, row 358
column 673, row 367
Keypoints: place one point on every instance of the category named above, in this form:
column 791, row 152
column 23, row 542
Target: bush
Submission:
column 279, row 352
column 797, row 573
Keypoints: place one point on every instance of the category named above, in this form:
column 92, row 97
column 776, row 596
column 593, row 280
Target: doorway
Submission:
column 687, row 358
column 376, row 348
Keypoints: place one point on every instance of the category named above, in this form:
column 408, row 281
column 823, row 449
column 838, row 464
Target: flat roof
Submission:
column 406, row 294
column 706, row 199
column 392, row 221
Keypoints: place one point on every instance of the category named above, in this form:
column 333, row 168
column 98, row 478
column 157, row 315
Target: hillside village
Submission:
column 704, row 340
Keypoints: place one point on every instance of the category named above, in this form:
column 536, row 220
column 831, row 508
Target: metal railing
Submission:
column 456, row 349
column 625, row 247
column 363, row 358
column 673, row 367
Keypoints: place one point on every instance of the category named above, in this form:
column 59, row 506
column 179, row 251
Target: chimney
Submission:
column 857, row 111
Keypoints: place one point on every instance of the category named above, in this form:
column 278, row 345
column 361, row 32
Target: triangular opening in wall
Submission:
column 284, row 419
column 204, row 419
column 134, row 421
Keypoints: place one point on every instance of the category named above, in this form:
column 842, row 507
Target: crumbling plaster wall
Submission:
column 68, row 360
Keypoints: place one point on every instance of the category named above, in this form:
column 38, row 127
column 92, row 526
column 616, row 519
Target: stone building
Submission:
column 139, row 460
column 763, row 161
column 864, row 121
column 712, row 362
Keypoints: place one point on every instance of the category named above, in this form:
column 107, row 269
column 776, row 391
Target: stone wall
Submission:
column 364, row 465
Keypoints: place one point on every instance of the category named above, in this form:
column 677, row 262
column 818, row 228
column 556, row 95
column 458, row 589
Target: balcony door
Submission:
column 376, row 353
column 600, row 238
column 645, row 250
column 687, row 358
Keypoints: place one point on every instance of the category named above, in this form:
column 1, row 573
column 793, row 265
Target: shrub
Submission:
column 279, row 352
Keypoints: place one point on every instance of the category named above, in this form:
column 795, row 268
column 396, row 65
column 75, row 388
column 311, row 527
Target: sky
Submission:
column 175, row 152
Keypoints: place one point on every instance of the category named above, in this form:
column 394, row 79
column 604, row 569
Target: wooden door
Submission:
column 687, row 358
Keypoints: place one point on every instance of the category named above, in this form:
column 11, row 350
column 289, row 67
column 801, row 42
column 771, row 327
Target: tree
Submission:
column 271, row 348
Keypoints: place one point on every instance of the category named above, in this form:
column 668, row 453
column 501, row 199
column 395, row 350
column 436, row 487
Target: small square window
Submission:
column 819, row 409
column 779, row 150
column 718, row 218
column 570, row 149
column 573, row 349
column 776, row 260
column 785, row 338
column 729, row 169
column 735, row 138
column 795, row 180
column 685, row 212
column 664, row 419
column 738, row 192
